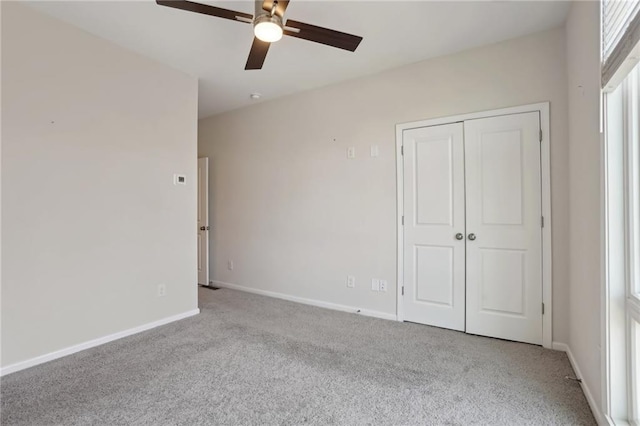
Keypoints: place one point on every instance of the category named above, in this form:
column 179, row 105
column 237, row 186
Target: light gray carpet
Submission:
column 249, row 359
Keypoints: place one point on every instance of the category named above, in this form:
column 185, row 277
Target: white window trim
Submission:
column 632, row 201
column 620, row 308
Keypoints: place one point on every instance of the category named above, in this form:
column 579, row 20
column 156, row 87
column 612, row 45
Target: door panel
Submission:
column 433, row 182
column 502, row 283
column 434, row 213
column 203, row 221
column 434, row 265
column 501, row 174
column 503, row 211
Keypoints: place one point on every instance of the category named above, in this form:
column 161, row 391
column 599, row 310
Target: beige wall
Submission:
column 583, row 71
column 296, row 216
column 91, row 221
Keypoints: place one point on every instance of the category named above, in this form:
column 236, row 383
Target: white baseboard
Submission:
column 92, row 343
column 587, row 393
column 312, row 302
column 558, row 346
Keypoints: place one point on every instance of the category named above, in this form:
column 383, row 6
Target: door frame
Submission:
column 545, row 175
column 205, row 181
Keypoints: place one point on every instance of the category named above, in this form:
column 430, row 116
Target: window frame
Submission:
column 621, row 252
column 631, row 141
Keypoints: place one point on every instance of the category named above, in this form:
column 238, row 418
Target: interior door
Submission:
column 503, row 224
column 434, row 206
column 203, row 221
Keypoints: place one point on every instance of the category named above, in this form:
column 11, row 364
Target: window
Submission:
column 622, row 267
column 621, row 83
column 631, row 120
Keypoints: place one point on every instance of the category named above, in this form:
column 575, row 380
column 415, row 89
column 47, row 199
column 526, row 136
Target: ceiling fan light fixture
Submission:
column 268, row 28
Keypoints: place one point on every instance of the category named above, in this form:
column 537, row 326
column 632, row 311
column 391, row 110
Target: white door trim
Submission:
column 203, row 220
column 545, row 172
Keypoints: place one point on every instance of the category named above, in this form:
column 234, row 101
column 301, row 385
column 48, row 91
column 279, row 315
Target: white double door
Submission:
column 472, row 227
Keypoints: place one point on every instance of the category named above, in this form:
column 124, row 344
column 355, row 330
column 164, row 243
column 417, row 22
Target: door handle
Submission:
column 459, row 236
column 204, row 228
column 472, row 237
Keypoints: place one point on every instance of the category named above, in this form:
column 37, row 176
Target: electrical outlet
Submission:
column 162, row 290
column 351, row 281
column 383, row 285
column 351, row 152
column 375, row 284
column 230, row 265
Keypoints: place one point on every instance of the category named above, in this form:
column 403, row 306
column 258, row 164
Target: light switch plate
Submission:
column 375, row 284
column 374, row 151
column 179, row 179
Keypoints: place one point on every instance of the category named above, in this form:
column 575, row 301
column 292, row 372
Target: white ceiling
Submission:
column 215, row 50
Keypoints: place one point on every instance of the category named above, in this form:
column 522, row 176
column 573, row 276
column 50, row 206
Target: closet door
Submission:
column 434, row 226
column 503, row 225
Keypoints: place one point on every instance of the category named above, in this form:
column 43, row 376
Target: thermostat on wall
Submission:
column 179, row 179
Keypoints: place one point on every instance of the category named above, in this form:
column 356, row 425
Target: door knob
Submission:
column 472, row 237
column 202, row 228
column 459, row 236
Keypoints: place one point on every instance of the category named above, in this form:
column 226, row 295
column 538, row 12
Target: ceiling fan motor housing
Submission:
column 266, row 17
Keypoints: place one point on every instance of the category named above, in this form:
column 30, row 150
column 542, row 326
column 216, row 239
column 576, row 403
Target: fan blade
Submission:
column 205, row 9
column 257, row 54
column 280, row 7
column 323, row 35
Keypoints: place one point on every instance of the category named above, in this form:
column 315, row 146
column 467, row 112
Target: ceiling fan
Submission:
column 269, row 26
